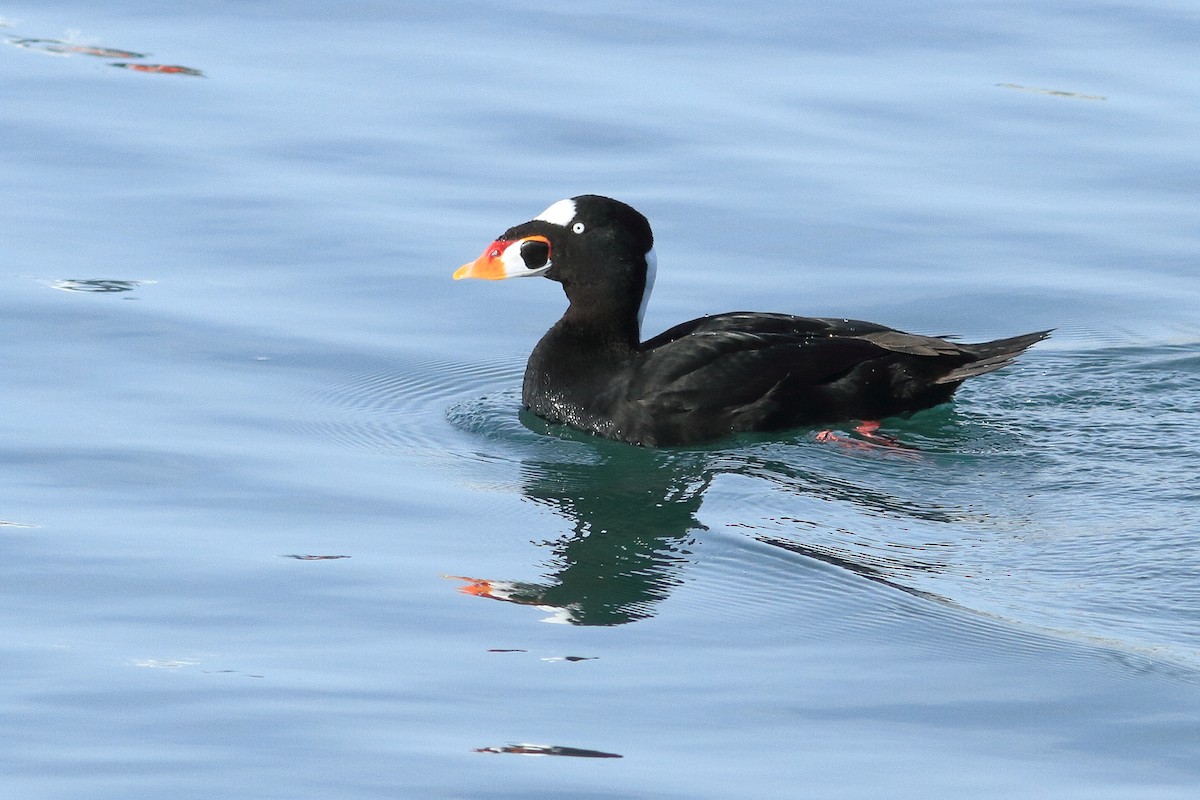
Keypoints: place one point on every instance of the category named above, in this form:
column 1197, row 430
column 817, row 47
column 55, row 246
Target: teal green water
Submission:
column 274, row 524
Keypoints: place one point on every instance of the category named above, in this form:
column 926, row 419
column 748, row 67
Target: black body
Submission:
column 722, row 374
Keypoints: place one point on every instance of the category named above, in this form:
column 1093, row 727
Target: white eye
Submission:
column 577, row 227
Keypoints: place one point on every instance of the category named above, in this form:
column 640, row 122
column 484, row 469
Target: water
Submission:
column 275, row 527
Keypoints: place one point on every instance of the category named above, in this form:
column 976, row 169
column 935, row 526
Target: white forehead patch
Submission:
column 561, row 213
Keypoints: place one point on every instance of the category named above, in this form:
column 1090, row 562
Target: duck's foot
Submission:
column 869, row 431
column 868, row 436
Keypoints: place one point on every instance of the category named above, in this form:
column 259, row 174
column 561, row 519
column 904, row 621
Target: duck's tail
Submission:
column 993, row 355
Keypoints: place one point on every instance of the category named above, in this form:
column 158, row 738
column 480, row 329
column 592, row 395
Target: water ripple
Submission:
column 1051, row 498
column 417, row 407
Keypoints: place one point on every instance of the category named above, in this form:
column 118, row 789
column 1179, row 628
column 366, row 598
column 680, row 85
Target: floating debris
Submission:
column 300, row 557
column 161, row 663
column 1053, row 92
column 9, row 524
column 161, row 69
column 547, row 750
column 229, row 672
column 97, row 285
column 546, row 658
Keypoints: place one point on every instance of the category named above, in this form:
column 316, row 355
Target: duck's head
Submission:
column 599, row 249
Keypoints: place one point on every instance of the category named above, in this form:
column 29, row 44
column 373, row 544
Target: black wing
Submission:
column 802, row 329
column 738, row 350
column 744, row 371
column 751, row 371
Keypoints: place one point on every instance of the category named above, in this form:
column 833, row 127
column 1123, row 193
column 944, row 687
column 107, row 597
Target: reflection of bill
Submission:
column 525, row 594
column 96, row 285
column 632, row 514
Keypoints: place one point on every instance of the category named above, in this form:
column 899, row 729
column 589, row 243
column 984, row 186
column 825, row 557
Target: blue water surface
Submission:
column 273, row 524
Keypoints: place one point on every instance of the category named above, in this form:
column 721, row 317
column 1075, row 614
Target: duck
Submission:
column 713, row 377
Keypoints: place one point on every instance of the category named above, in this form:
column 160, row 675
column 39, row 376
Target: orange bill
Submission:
column 501, row 259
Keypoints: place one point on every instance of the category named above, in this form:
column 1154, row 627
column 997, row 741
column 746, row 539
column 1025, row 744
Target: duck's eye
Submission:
column 578, row 227
column 535, row 254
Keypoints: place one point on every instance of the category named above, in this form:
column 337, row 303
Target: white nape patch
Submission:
column 561, row 213
column 559, row 616
column 651, row 273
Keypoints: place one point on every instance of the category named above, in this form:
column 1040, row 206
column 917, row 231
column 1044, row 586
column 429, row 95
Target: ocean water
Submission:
column 273, row 524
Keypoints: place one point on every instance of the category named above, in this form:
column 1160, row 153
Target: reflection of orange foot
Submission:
column 160, row 69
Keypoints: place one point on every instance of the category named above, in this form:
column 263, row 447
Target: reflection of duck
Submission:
column 713, row 376
column 633, row 525
column 631, row 512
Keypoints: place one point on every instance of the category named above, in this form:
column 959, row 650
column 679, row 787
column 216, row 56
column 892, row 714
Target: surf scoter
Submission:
column 713, row 376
